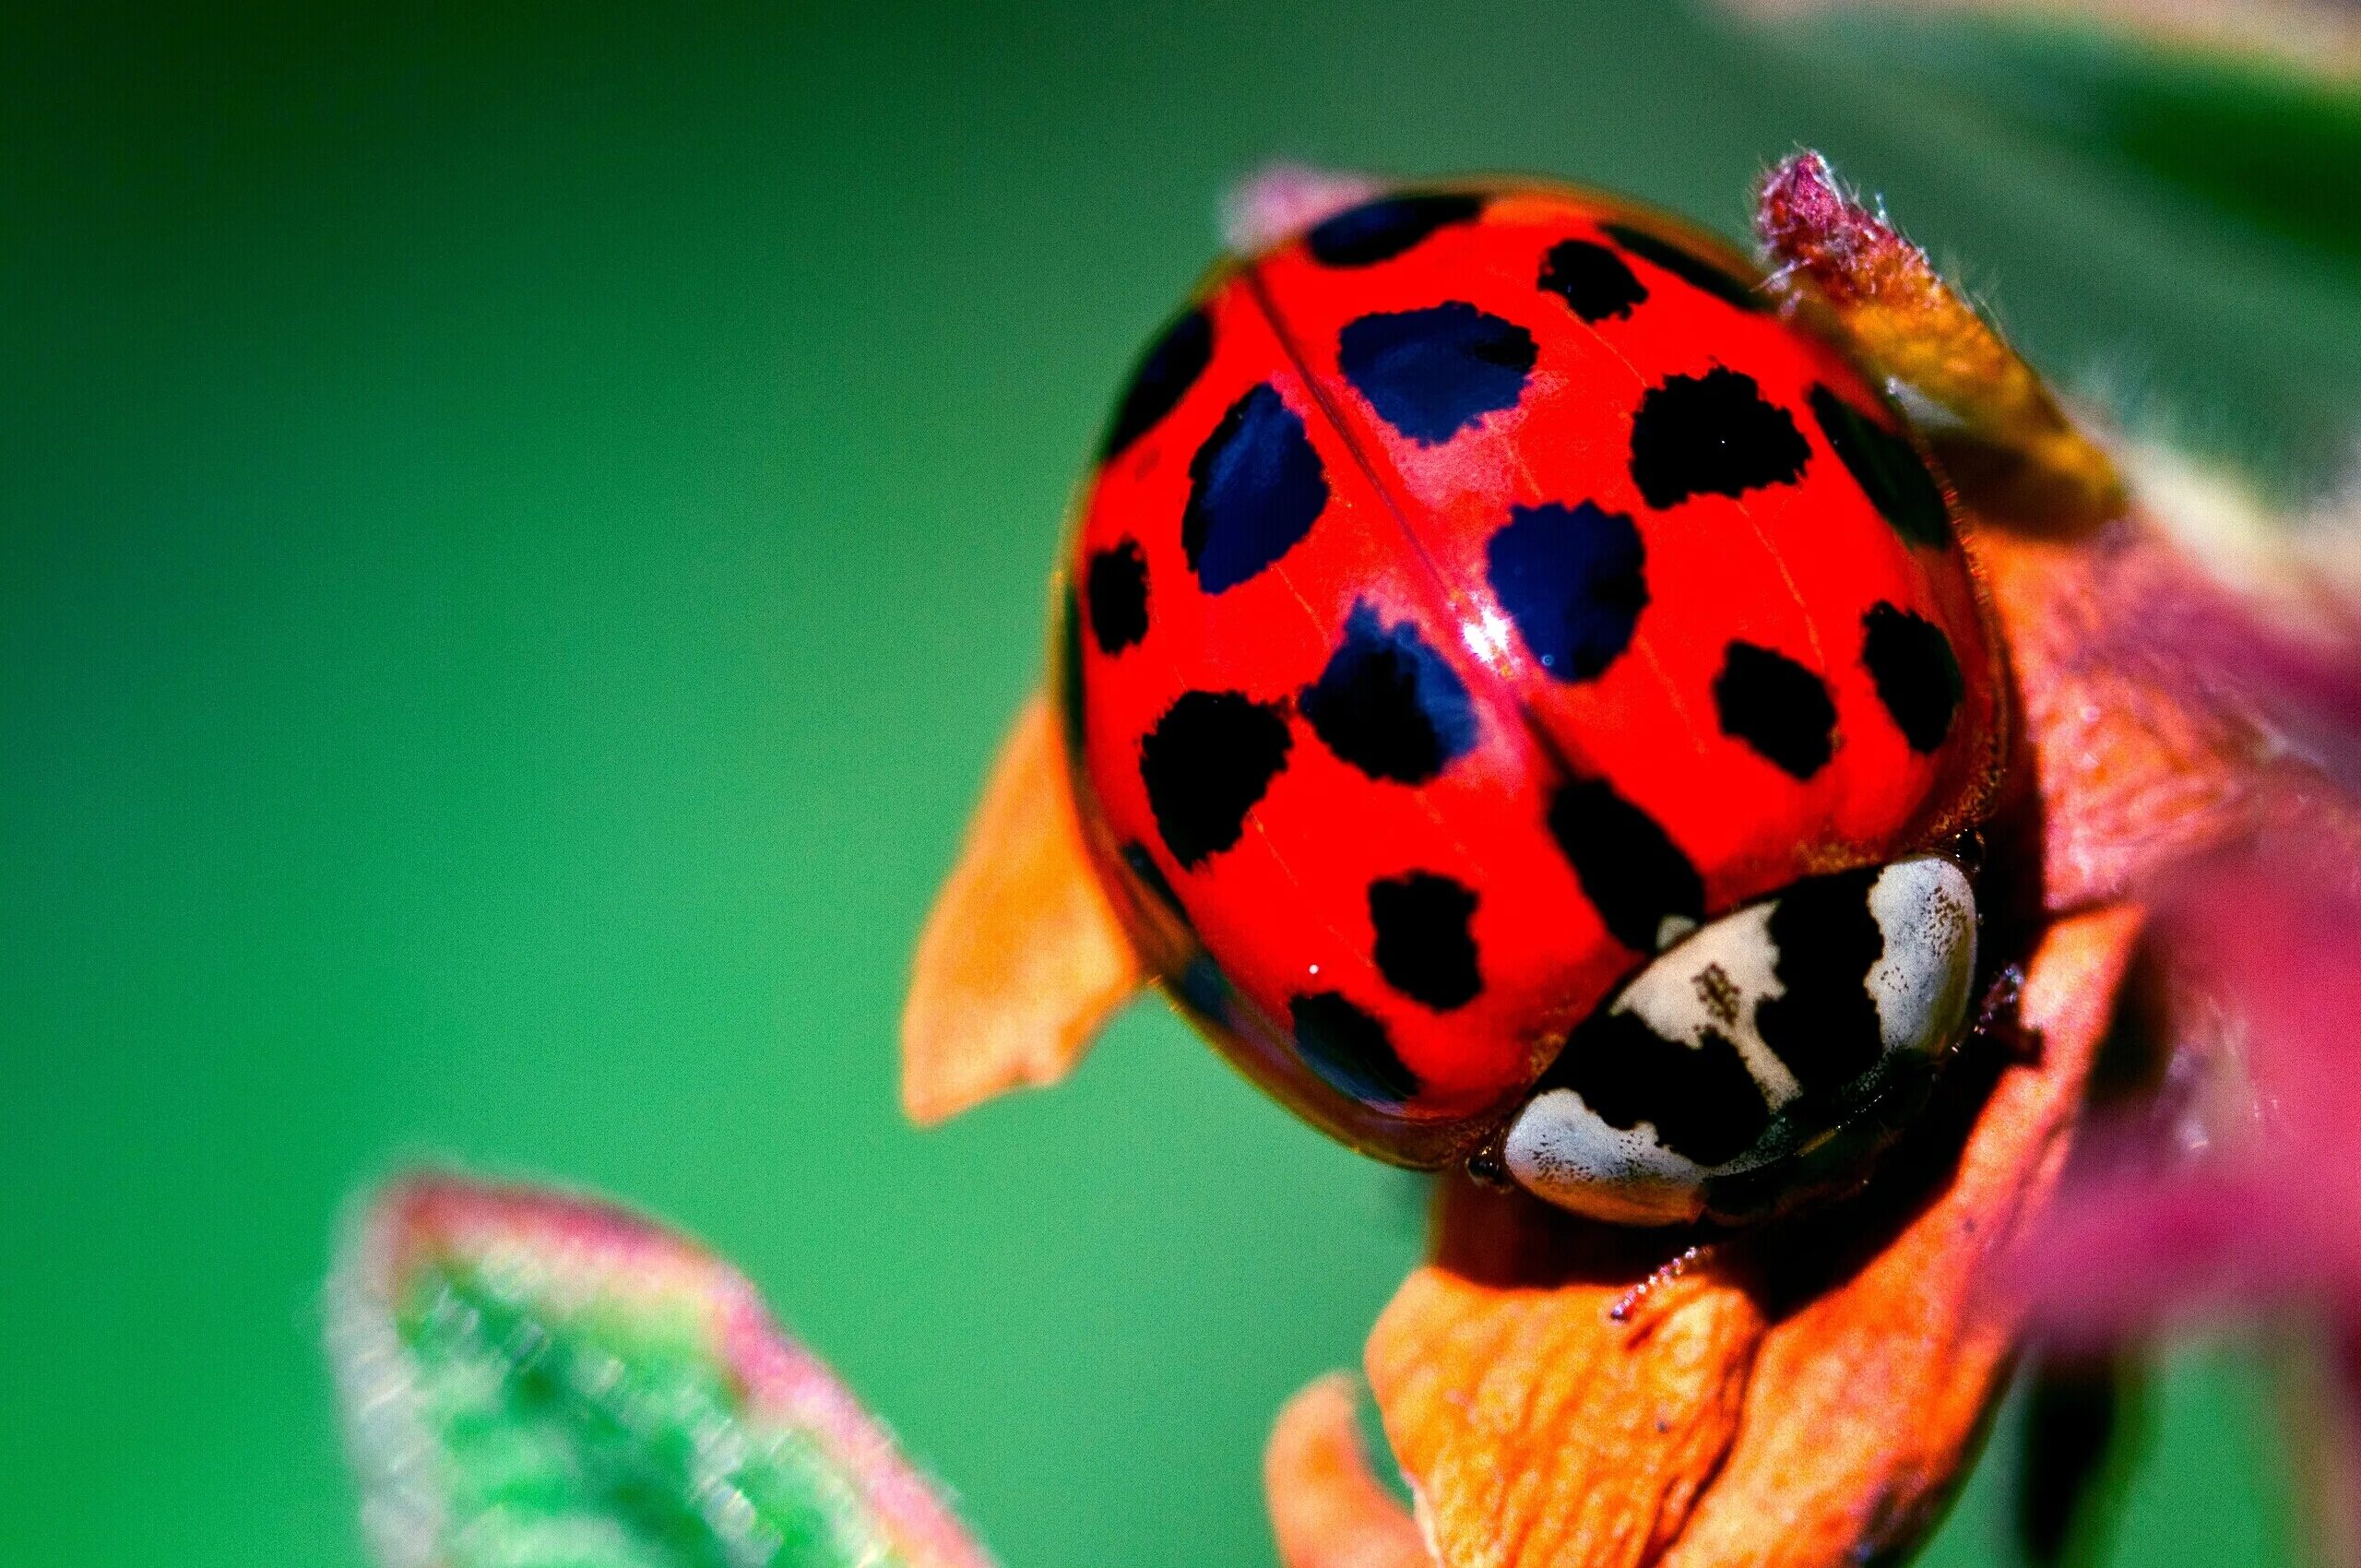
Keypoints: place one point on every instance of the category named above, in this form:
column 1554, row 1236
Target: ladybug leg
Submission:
column 1988, row 417
column 1665, row 1273
column 1022, row 959
column 2000, row 1017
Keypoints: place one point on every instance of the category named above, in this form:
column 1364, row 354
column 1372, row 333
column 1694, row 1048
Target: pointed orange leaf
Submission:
column 1022, row 958
column 1327, row 1510
column 1802, row 1395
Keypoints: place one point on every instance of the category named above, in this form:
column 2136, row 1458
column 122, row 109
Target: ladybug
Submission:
column 1525, row 697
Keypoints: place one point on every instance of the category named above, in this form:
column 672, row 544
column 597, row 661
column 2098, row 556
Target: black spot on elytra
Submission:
column 1069, row 676
column 1116, row 589
column 1151, row 878
column 1777, row 707
column 1702, row 1102
column 1382, row 230
column 1916, row 673
column 1823, row 1023
column 1431, row 373
column 1349, row 1050
column 1573, row 580
column 1255, row 488
column 1166, row 372
column 1207, row 763
column 1887, row 467
column 1628, row 867
column 1688, row 265
column 1389, row 703
column 1423, row 946
column 1715, row 435
column 1592, row 280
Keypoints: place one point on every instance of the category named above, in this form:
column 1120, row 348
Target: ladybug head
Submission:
column 1724, row 1073
column 1518, row 687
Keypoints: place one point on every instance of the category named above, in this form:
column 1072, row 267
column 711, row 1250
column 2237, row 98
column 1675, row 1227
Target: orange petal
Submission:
column 1866, row 1401
column 2000, row 433
column 1327, row 1510
column 1536, row 1425
column 1022, row 958
column 1802, row 1395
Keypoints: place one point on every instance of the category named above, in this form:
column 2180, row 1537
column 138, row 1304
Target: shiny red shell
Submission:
column 1472, row 593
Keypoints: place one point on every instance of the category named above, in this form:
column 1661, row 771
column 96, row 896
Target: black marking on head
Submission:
column 1423, row 946
column 1069, row 676
column 1117, row 588
column 1389, row 703
column 1574, row 580
column 1916, row 675
column 1888, row 466
column 1166, row 372
column 1255, row 488
column 1592, row 280
column 1777, row 707
column 1433, row 372
column 1689, row 266
column 1628, row 867
column 1382, row 230
column 1207, row 763
column 1349, row 1050
column 1150, row 877
column 1713, row 433
column 1823, row 1025
column 1702, row 1102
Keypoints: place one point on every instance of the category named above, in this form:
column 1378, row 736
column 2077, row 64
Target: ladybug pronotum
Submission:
column 1522, row 693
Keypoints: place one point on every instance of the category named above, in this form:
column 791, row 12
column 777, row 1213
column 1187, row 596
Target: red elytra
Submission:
column 1476, row 592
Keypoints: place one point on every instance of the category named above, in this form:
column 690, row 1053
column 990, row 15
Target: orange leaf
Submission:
column 1866, row 1400
column 1327, row 1511
column 1802, row 1395
column 1022, row 958
column 1536, row 1424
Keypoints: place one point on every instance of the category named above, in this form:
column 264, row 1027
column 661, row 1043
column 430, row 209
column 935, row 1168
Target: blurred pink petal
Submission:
column 1282, row 200
column 2317, row 35
column 2270, row 1213
column 2276, row 939
column 2116, row 1261
column 2295, row 665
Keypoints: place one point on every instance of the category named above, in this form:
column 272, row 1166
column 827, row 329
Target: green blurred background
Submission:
column 521, row 532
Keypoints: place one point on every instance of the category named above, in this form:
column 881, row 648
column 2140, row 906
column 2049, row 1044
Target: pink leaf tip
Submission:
column 1808, row 221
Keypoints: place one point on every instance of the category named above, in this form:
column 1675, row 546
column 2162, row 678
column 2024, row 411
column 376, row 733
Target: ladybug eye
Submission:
column 1749, row 1044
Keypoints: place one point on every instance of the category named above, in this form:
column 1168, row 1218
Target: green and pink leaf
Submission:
column 533, row 1379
